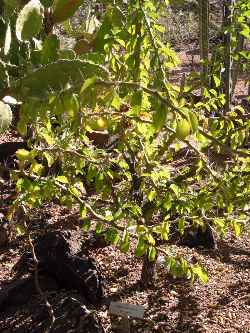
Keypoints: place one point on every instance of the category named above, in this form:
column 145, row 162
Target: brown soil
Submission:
column 172, row 305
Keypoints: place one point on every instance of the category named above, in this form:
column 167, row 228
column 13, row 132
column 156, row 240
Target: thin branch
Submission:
column 167, row 101
column 66, row 151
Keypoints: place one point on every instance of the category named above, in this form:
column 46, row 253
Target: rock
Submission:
column 75, row 312
column 4, row 237
column 19, row 292
column 197, row 237
column 194, row 236
column 8, row 149
column 95, row 240
column 70, row 271
column 4, row 232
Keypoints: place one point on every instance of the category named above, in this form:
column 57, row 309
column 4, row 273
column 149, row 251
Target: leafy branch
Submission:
column 167, row 102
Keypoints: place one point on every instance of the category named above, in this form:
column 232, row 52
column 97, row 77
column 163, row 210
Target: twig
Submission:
column 190, row 145
column 58, row 149
column 99, row 217
column 38, row 287
column 167, row 101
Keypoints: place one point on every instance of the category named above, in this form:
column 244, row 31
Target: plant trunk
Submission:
column 204, row 23
column 148, row 267
column 228, row 19
column 147, row 272
column 236, row 63
column 248, row 93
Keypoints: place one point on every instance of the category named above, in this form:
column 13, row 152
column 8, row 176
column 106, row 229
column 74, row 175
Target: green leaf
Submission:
column 182, row 129
column 50, row 158
column 165, row 230
column 50, row 49
column 75, row 192
column 7, row 42
column 217, row 81
column 22, row 127
column 175, row 189
column 56, row 76
column 98, row 228
column 136, row 102
column 152, row 195
column 5, row 116
column 152, row 253
column 125, row 243
column 88, row 83
column 200, row 273
column 237, row 228
column 29, row 21
column 193, row 121
column 20, row 229
column 86, row 225
column 141, row 228
column 112, row 236
column 116, row 102
column 23, row 154
column 83, row 211
column 181, row 226
column 64, row 9
column 62, row 179
column 141, row 247
column 36, row 168
column 150, row 239
column 159, row 117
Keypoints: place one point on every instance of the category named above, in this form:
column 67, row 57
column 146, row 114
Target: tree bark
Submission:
column 228, row 63
column 204, row 23
column 236, row 63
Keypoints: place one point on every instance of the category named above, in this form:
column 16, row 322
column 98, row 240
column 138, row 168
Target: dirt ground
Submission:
column 172, row 305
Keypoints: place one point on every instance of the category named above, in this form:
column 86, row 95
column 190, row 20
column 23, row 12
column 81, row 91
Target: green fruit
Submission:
column 99, row 124
column 64, row 9
column 30, row 20
column 5, row 116
column 182, row 129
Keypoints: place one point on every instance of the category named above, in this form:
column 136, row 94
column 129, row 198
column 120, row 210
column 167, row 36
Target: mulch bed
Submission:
column 172, row 305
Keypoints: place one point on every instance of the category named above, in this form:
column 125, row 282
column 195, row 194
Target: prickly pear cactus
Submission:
column 55, row 76
column 5, row 116
column 64, row 9
column 30, row 20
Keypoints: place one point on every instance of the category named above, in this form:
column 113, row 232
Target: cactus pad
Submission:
column 5, row 116
column 55, row 76
column 30, row 20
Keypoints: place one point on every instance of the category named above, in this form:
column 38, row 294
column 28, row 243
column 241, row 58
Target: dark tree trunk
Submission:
column 147, row 272
column 204, row 22
column 148, row 267
column 228, row 17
